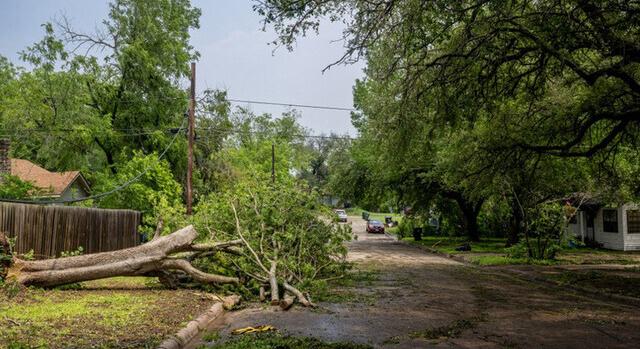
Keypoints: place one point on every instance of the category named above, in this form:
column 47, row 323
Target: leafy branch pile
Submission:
column 288, row 239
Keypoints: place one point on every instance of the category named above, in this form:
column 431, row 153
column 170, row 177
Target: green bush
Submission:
column 405, row 227
column 518, row 250
column 543, row 239
column 14, row 188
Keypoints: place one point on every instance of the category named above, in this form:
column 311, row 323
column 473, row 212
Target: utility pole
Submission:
column 191, row 135
column 273, row 163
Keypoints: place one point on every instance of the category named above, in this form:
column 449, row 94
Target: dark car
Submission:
column 375, row 227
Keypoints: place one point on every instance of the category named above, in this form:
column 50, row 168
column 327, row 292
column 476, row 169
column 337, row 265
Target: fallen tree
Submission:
column 271, row 239
column 166, row 257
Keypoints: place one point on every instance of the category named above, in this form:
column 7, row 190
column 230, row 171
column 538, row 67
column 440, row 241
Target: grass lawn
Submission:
column 488, row 251
column 275, row 340
column 447, row 244
column 491, row 251
column 110, row 313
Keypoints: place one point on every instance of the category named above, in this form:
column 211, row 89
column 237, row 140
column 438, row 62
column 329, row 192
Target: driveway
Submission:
column 421, row 300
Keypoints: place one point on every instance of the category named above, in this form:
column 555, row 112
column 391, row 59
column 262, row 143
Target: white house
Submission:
column 616, row 228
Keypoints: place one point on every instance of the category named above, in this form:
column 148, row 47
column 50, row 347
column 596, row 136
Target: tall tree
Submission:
column 575, row 63
column 93, row 98
column 136, row 88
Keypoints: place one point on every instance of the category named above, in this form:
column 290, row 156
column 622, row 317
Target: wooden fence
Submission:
column 51, row 230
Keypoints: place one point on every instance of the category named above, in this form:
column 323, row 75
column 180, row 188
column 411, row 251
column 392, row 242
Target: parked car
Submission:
column 342, row 215
column 375, row 227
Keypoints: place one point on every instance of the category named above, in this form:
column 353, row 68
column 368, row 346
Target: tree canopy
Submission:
column 571, row 66
column 504, row 103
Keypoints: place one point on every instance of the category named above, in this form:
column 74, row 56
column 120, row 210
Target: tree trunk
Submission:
column 471, row 225
column 470, row 212
column 287, row 301
column 516, row 224
column 273, row 282
column 301, row 298
column 152, row 258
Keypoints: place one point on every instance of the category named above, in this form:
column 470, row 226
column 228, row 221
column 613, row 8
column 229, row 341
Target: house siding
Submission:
column 621, row 240
column 75, row 191
column 578, row 228
column 614, row 241
column 631, row 241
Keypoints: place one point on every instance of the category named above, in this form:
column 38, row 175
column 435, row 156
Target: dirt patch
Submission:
column 607, row 281
column 599, row 256
column 111, row 313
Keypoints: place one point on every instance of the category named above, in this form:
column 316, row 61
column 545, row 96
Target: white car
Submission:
column 342, row 215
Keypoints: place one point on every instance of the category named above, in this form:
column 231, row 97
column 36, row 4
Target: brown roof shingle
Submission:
column 52, row 183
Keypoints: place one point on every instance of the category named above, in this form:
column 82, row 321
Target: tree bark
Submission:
column 287, row 301
column 153, row 258
column 470, row 212
column 273, row 282
column 262, row 294
column 516, row 224
column 301, row 298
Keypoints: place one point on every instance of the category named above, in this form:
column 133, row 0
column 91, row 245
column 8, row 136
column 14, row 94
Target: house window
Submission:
column 633, row 222
column 610, row 221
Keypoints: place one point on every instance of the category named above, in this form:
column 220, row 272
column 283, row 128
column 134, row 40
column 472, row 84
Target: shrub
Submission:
column 14, row 188
column 544, row 236
column 405, row 228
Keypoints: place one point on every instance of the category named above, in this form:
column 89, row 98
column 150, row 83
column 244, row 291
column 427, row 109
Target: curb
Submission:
column 439, row 253
column 522, row 275
column 392, row 237
column 189, row 332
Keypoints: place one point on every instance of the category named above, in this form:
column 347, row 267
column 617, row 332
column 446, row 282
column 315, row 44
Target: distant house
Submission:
column 330, row 200
column 50, row 185
column 615, row 227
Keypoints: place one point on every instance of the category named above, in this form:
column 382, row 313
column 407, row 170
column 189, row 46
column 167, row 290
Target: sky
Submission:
column 235, row 56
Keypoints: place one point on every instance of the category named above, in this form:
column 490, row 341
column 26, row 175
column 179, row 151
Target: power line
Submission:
column 52, row 132
column 7, row 133
column 233, row 100
column 290, row 104
column 299, row 135
column 101, row 195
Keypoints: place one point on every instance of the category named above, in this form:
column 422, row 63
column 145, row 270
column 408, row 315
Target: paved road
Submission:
column 421, row 300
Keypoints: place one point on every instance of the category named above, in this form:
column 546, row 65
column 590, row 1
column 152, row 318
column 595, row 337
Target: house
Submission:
column 615, row 227
column 50, row 185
